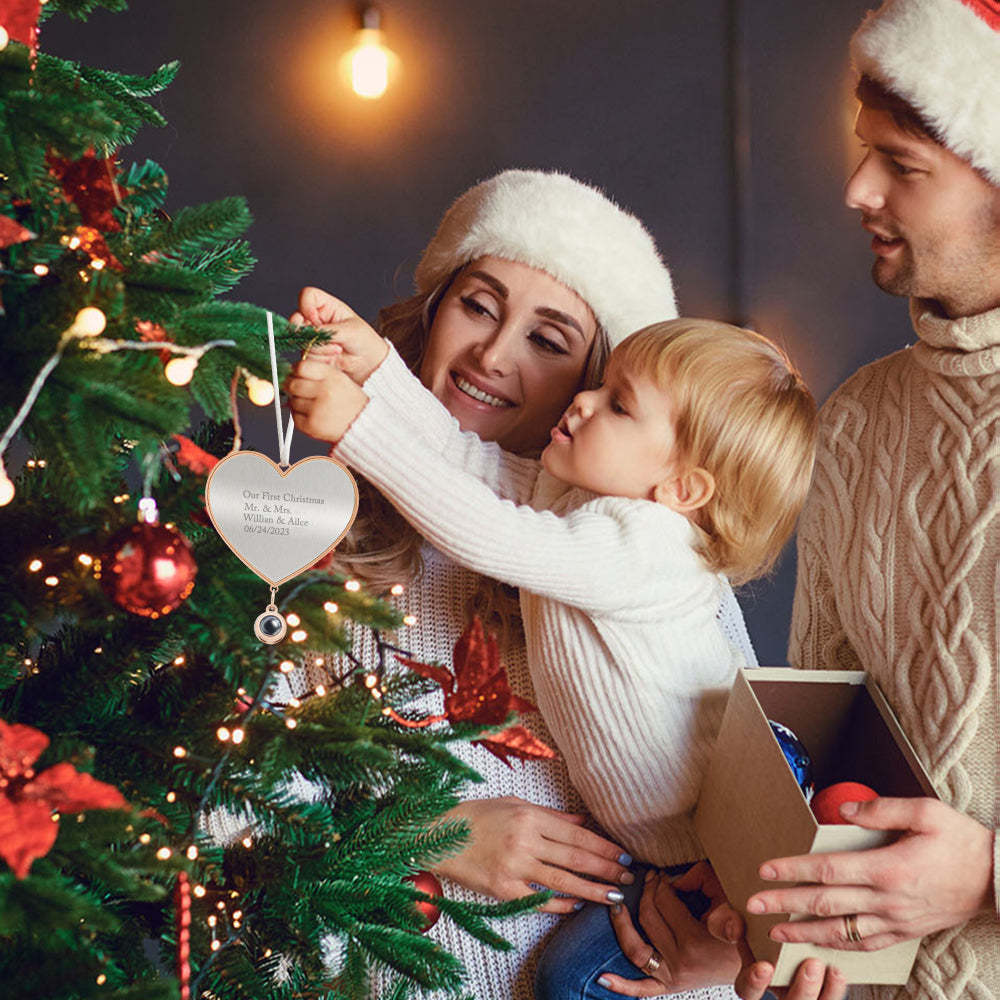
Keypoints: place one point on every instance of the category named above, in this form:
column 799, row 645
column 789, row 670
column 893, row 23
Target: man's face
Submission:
column 935, row 220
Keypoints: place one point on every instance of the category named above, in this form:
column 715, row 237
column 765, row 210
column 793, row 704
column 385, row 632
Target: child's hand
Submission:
column 353, row 346
column 324, row 401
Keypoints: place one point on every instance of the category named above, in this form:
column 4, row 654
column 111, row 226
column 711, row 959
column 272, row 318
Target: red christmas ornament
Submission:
column 148, row 569
column 426, row 882
column 28, row 801
column 182, row 901
column 826, row 803
column 90, row 184
column 20, row 20
column 479, row 692
column 91, row 242
column 11, row 231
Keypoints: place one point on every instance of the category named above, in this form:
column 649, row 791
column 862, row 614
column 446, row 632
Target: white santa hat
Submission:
column 943, row 57
column 569, row 230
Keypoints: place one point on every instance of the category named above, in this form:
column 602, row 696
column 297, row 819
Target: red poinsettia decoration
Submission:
column 20, row 20
column 478, row 691
column 11, row 232
column 28, row 801
column 90, row 184
column 194, row 458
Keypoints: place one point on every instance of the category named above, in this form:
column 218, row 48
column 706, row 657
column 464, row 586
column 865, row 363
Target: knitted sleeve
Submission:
column 508, row 476
column 598, row 557
column 818, row 638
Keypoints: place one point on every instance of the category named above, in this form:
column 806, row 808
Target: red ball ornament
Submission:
column 826, row 803
column 426, row 882
column 148, row 569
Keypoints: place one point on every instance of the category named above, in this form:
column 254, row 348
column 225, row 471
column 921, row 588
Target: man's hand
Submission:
column 937, row 875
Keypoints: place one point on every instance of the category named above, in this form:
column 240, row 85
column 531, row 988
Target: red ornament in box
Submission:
column 826, row 803
column 148, row 569
column 426, row 882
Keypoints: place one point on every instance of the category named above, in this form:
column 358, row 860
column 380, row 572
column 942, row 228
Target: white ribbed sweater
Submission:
column 629, row 665
column 899, row 574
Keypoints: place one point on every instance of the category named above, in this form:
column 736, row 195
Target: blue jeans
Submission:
column 585, row 947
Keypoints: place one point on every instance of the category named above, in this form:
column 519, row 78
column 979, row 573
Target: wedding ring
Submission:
column 652, row 963
column 851, row 928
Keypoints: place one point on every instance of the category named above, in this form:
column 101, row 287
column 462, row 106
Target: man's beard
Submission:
column 900, row 280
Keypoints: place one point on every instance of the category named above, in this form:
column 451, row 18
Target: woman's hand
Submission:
column 323, row 400
column 353, row 345
column 689, row 956
column 813, row 981
column 515, row 846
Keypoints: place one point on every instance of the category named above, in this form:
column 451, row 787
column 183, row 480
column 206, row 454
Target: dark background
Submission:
column 724, row 125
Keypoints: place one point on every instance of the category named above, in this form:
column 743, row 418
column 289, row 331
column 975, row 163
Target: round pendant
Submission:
column 270, row 626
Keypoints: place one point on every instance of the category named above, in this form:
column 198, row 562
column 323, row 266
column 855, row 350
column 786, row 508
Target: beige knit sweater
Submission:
column 898, row 574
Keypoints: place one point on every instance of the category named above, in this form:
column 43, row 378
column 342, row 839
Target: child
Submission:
column 692, row 460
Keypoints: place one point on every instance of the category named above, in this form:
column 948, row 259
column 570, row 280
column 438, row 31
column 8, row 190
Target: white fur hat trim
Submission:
column 943, row 56
column 571, row 231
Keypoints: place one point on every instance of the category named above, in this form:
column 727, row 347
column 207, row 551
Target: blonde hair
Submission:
column 382, row 548
column 742, row 412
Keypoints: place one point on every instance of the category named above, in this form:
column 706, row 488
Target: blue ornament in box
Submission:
column 797, row 756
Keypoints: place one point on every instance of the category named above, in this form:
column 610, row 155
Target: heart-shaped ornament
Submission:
column 280, row 522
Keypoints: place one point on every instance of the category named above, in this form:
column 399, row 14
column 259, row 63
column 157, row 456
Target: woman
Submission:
column 529, row 281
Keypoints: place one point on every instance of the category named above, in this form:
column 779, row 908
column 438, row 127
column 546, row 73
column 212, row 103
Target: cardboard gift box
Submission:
column 751, row 807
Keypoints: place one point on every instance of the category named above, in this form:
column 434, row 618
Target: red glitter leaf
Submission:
column 20, row 19
column 11, row 232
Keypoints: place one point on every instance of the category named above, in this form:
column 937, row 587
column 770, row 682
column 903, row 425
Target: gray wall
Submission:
column 631, row 96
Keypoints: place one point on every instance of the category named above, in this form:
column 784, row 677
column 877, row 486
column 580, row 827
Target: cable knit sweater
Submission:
column 619, row 610
column 899, row 574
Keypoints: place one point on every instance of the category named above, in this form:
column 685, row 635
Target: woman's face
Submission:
column 507, row 351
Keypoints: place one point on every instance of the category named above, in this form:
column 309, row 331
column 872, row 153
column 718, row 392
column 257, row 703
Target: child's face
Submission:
column 617, row 440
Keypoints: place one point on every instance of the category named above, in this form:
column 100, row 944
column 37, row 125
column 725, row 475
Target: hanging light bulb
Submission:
column 260, row 391
column 6, row 487
column 180, row 371
column 370, row 63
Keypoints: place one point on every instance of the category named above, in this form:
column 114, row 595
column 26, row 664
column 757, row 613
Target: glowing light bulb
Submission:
column 352, row 585
column 300, row 635
column 238, row 735
column 89, row 322
column 35, row 565
column 293, row 619
column 180, row 752
column 260, row 391
column 223, row 733
column 370, row 63
column 6, row 489
column 85, row 559
column 163, row 853
column 180, row 371
column 291, row 723
column 199, row 891
column 192, row 852
column 40, row 269
column 331, row 607
column 52, row 581
column 396, row 589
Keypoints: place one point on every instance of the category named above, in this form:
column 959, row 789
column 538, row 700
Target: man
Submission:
column 899, row 545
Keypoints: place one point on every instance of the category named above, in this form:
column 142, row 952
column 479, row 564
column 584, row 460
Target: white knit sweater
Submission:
column 629, row 665
column 899, row 574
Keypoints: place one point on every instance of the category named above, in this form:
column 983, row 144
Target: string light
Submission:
column 291, row 723
column 35, row 565
column 286, row 666
column 199, row 891
column 320, row 690
column 370, row 681
column 299, row 635
column 40, row 269
column 396, row 589
column 192, row 852
column 180, row 752
column 293, row 619
column 331, row 607
column 238, row 735
column 179, row 661
column 171, row 797
column 212, row 920
column 144, row 838
column 247, row 842
column 223, row 734
column 409, row 619
column 90, row 321
column 216, row 945
column 352, row 585
column 52, row 581
column 319, row 661
column 84, row 559
column 163, row 853
column 101, row 979
column 180, row 371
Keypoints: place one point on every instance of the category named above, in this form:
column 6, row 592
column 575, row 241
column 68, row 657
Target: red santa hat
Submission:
column 943, row 57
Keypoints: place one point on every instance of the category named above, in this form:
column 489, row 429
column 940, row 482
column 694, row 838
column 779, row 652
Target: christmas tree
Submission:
column 155, row 837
